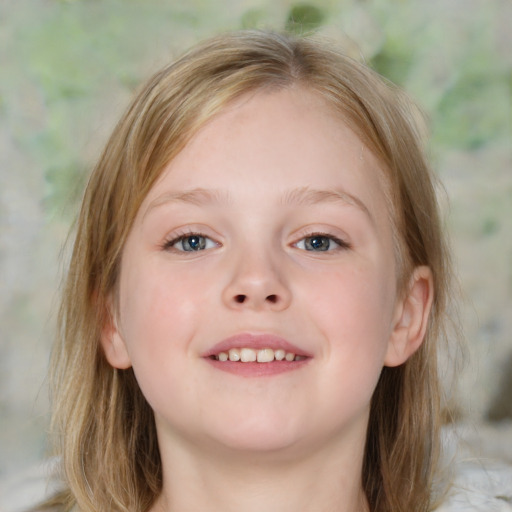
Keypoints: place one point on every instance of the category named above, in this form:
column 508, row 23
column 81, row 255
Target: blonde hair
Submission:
column 104, row 427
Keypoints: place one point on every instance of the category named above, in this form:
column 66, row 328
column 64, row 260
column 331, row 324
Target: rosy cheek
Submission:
column 351, row 307
column 166, row 302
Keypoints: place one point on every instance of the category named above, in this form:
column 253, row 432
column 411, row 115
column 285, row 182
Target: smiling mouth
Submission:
column 250, row 355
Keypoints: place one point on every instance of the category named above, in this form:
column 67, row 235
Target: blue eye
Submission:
column 320, row 243
column 317, row 243
column 191, row 243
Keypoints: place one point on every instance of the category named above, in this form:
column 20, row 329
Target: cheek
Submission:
column 159, row 315
column 356, row 298
column 156, row 296
column 354, row 310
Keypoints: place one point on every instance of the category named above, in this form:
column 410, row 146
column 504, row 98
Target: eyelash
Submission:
column 170, row 245
column 342, row 245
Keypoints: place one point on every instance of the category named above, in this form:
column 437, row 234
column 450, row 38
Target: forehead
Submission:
column 294, row 121
column 269, row 144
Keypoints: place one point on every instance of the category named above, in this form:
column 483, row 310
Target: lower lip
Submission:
column 257, row 369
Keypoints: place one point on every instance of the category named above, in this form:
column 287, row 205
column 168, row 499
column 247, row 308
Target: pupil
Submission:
column 319, row 243
column 195, row 242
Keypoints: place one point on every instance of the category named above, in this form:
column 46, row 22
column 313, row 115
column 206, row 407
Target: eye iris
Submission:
column 194, row 243
column 317, row 243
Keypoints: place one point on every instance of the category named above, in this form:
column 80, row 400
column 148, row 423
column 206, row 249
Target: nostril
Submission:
column 243, row 299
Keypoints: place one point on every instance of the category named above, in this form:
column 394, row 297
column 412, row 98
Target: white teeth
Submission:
column 247, row 355
column 279, row 354
column 234, row 354
column 265, row 355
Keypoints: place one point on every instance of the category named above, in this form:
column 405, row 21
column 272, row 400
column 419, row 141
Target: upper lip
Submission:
column 255, row 341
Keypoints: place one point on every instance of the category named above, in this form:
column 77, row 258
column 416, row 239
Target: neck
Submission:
column 327, row 480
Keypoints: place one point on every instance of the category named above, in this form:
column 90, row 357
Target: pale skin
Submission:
column 272, row 222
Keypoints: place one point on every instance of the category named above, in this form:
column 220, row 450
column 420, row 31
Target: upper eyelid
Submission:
column 337, row 240
column 191, row 230
column 170, row 240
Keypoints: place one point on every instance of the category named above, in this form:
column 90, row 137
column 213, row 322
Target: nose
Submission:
column 256, row 283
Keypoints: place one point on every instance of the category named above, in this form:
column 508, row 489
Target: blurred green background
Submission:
column 68, row 69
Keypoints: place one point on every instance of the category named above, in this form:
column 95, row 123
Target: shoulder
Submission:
column 479, row 486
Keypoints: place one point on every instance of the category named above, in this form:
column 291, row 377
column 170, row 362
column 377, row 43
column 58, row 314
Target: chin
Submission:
column 257, row 434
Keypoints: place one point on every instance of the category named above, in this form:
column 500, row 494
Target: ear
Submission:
column 411, row 318
column 112, row 341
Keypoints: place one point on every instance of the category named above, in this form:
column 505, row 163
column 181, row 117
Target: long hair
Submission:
column 104, row 429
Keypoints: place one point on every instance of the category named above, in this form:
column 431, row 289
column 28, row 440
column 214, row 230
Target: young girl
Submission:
column 256, row 293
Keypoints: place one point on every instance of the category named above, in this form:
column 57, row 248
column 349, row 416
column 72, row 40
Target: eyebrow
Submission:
column 306, row 196
column 195, row 196
column 302, row 196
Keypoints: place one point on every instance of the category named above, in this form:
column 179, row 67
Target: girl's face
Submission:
column 270, row 230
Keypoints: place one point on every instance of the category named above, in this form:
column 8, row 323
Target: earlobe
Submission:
column 411, row 318
column 113, row 344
